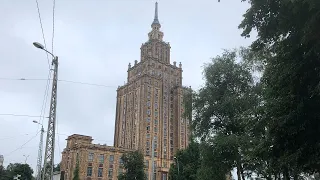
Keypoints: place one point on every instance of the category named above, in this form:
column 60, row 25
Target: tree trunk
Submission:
column 238, row 172
column 241, row 171
column 286, row 174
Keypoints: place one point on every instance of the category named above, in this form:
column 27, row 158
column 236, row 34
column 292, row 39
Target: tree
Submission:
column 56, row 168
column 224, row 110
column 133, row 163
column 22, row 169
column 213, row 164
column 187, row 163
column 290, row 31
column 3, row 173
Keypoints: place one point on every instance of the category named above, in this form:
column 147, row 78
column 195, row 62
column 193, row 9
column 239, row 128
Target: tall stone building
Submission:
column 150, row 106
column 149, row 118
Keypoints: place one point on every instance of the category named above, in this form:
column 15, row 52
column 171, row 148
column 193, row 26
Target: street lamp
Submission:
column 177, row 166
column 40, row 46
column 50, row 142
column 39, row 160
column 26, row 156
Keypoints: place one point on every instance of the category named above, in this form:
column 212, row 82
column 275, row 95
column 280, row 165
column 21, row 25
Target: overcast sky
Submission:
column 95, row 40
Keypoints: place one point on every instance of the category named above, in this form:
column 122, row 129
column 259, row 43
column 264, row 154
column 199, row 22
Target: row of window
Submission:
column 100, row 172
column 101, row 158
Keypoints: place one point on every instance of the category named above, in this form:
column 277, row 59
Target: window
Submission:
column 120, row 161
column 148, row 112
column 146, row 164
column 148, row 136
column 89, row 171
column 110, row 172
column 148, row 119
column 164, row 176
column 90, row 157
column 100, row 172
column 111, row 158
column 101, row 158
column 148, row 128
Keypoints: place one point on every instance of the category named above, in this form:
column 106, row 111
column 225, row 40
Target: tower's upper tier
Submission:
column 155, row 47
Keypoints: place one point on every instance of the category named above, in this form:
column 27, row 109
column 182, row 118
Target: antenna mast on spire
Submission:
column 156, row 20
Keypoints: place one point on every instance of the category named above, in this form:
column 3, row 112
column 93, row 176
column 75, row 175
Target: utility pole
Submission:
column 48, row 165
column 51, row 132
column 39, row 160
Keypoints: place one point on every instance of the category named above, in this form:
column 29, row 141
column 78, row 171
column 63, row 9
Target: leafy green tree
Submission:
column 56, row 168
column 289, row 29
column 133, row 163
column 224, row 111
column 213, row 164
column 186, row 164
column 3, row 173
column 22, row 169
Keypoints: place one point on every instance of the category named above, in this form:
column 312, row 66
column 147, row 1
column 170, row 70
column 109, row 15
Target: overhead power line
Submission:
column 66, row 81
column 44, row 102
column 23, row 144
column 12, row 137
column 53, row 15
column 43, row 37
column 22, row 115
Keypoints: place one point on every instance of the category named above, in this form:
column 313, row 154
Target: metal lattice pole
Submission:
column 39, row 160
column 50, row 143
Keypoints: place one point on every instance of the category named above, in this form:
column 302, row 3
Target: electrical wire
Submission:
column 20, row 115
column 44, row 102
column 43, row 37
column 53, row 19
column 66, row 81
column 12, row 137
column 22, row 146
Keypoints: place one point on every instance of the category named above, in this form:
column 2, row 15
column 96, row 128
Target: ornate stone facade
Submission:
column 96, row 161
column 150, row 106
column 149, row 116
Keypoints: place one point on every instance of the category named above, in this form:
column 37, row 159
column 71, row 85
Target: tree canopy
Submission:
column 14, row 169
column 186, row 164
column 133, row 164
column 290, row 31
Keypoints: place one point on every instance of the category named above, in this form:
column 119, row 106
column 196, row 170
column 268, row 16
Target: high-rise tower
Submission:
column 149, row 118
column 150, row 105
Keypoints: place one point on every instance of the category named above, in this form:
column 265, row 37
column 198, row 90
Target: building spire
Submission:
column 156, row 20
column 155, row 33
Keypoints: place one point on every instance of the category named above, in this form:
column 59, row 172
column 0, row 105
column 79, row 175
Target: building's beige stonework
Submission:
column 149, row 111
column 92, row 158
